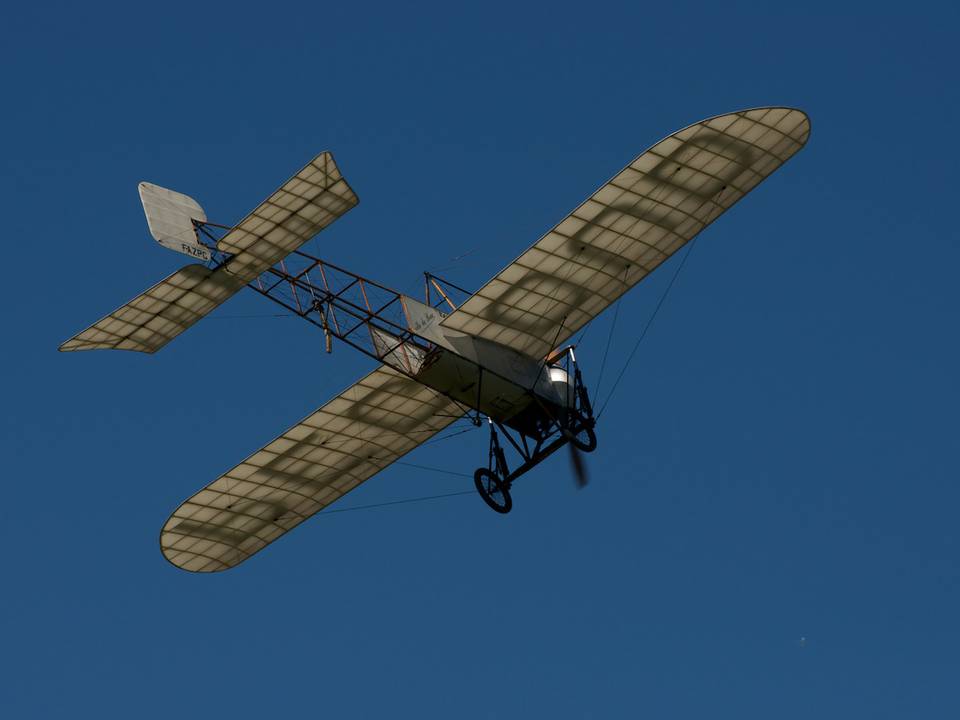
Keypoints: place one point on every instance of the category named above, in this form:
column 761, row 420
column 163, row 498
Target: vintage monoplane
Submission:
column 500, row 355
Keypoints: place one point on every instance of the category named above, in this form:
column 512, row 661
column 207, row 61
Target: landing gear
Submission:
column 493, row 482
column 494, row 491
column 543, row 428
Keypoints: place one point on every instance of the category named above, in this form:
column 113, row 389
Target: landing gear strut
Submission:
column 570, row 422
column 492, row 481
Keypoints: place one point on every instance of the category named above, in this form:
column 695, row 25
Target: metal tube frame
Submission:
column 341, row 309
column 580, row 418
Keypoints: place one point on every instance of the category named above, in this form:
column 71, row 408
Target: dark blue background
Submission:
column 771, row 527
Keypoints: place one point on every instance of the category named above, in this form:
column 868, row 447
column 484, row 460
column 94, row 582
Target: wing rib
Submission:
column 303, row 206
column 317, row 461
column 628, row 227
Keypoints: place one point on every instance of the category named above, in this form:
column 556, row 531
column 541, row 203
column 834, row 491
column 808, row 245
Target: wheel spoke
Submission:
column 493, row 489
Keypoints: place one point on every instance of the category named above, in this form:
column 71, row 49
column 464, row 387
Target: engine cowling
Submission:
column 562, row 383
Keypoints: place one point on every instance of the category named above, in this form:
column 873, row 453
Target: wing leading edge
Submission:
column 346, row 442
column 621, row 233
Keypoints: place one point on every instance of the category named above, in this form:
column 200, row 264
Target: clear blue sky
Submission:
column 779, row 463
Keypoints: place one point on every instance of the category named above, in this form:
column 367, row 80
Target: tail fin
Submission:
column 171, row 217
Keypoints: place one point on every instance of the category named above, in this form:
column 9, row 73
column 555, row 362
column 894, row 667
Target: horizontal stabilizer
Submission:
column 155, row 317
column 298, row 210
column 170, row 217
column 303, row 206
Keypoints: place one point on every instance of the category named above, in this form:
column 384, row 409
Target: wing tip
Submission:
column 74, row 344
column 208, row 549
column 804, row 122
column 195, row 563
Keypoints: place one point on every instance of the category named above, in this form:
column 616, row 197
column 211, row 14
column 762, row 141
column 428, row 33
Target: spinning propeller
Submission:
column 579, row 467
column 577, row 464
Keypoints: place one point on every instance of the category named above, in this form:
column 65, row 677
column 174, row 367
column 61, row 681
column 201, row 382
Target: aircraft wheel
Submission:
column 585, row 440
column 494, row 491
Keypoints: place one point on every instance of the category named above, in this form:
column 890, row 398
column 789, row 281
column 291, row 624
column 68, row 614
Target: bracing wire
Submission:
column 451, row 435
column 646, row 327
column 407, row 501
column 613, row 327
column 584, row 333
column 606, row 350
column 553, row 304
column 252, row 317
column 422, row 498
column 432, row 469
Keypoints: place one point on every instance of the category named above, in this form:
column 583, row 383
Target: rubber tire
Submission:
column 478, row 480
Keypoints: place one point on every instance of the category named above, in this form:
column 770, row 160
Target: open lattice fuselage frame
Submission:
column 378, row 321
column 344, row 305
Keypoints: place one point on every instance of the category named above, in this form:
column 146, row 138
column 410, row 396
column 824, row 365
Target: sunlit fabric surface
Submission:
column 298, row 210
column 155, row 317
column 303, row 206
column 621, row 233
column 351, row 438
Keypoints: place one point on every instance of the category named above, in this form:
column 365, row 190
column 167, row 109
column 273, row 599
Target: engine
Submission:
column 562, row 383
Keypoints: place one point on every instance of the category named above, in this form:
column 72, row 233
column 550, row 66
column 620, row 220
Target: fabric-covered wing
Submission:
column 154, row 318
column 347, row 441
column 298, row 210
column 302, row 207
column 628, row 227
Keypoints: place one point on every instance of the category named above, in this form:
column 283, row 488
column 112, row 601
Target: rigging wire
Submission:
column 552, row 345
column 613, row 326
column 553, row 303
column 646, row 327
column 432, row 469
column 584, row 333
column 606, row 350
column 248, row 317
column 454, row 261
column 451, row 435
column 407, row 501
